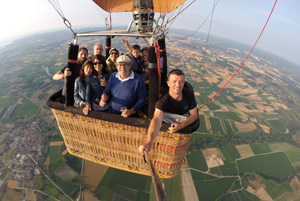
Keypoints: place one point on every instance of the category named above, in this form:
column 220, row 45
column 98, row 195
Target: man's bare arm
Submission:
column 58, row 76
column 153, row 130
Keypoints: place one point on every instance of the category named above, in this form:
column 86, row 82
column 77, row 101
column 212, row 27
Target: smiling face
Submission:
column 145, row 55
column 88, row 69
column 82, row 56
column 176, row 84
column 113, row 55
column 124, row 69
column 98, row 65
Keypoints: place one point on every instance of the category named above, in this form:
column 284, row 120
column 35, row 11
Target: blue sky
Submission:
column 233, row 19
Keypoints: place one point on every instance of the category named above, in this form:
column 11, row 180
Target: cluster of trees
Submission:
column 207, row 142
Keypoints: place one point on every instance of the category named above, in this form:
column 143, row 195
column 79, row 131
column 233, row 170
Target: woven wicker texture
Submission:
column 116, row 145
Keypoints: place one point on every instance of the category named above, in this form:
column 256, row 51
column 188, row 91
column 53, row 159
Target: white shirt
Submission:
column 123, row 80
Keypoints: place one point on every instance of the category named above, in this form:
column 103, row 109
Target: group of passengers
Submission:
column 116, row 84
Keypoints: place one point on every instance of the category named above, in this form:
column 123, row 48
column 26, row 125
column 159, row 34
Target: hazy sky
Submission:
column 241, row 20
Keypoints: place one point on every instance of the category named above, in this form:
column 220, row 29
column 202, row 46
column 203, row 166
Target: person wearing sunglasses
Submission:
column 95, row 85
column 111, row 60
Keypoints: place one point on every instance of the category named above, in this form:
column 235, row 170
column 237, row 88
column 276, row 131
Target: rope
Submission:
column 207, row 38
column 107, row 22
column 173, row 18
column 211, row 13
column 245, row 58
column 57, row 8
column 179, row 10
column 157, row 51
column 174, row 148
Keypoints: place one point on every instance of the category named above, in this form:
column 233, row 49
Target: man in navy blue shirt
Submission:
column 126, row 90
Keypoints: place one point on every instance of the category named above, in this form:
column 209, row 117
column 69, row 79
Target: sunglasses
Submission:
column 114, row 53
column 95, row 63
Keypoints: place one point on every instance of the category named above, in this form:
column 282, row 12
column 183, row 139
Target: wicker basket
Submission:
column 116, row 144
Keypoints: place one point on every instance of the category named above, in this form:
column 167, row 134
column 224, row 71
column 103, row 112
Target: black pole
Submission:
column 108, row 45
column 159, row 191
column 70, row 80
column 163, row 61
column 153, row 81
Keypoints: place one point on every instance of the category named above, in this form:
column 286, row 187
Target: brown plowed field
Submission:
column 92, row 174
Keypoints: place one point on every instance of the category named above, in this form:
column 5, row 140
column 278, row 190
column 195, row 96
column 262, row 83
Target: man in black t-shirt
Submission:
column 64, row 72
column 177, row 107
column 81, row 58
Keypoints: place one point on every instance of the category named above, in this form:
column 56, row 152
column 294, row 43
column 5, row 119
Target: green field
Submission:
column 260, row 148
column 202, row 99
column 274, row 189
column 230, row 153
column 49, row 188
column 30, row 93
column 228, row 169
column 2, row 111
column 294, row 156
column 241, row 196
column 234, row 127
column 8, row 100
column 4, row 173
column 9, row 120
column 215, row 171
column 253, row 134
column 211, row 188
column 213, row 106
column 25, row 100
column 56, row 159
column 278, row 125
column 197, row 161
column 270, row 116
column 74, row 162
column 204, row 83
column 67, row 187
column 173, row 188
column 216, row 126
column 56, row 138
column 239, row 99
column 228, row 127
column 228, row 115
column 124, row 184
column 25, row 109
column 224, row 100
column 281, row 147
column 275, row 166
column 202, row 128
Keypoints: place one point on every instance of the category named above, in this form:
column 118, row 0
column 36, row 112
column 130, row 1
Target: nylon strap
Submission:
column 72, row 61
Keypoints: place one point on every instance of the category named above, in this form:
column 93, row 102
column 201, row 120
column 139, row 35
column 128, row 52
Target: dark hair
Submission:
column 83, row 48
column 82, row 75
column 136, row 47
column 113, row 49
column 176, row 72
column 103, row 61
column 145, row 49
